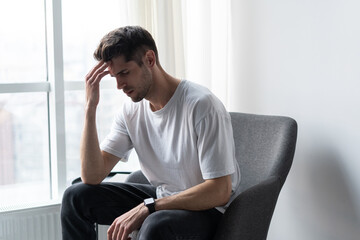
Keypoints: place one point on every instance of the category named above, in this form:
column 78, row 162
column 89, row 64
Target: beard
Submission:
column 145, row 84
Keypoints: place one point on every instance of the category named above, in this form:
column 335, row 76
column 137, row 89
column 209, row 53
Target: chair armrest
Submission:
column 137, row 177
column 252, row 211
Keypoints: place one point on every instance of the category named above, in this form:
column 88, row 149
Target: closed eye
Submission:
column 123, row 72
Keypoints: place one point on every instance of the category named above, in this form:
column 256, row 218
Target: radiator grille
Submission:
column 42, row 223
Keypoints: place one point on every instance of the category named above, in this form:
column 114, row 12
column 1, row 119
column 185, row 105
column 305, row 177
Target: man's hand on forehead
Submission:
column 92, row 81
column 110, row 68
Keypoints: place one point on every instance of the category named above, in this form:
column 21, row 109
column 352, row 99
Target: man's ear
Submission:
column 150, row 58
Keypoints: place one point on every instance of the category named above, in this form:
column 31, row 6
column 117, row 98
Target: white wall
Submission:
column 301, row 58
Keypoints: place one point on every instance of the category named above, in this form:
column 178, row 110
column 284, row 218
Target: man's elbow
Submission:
column 91, row 180
column 225, row 193
column 224, row 197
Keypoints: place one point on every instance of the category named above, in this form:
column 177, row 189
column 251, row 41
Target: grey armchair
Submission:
column 265, row 147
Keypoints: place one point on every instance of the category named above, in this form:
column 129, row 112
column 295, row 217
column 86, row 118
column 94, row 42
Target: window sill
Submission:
column 29, row 206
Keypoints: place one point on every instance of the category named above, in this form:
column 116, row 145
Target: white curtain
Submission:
column 194, row 40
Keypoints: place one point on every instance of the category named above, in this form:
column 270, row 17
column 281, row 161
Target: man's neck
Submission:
column 164, row 87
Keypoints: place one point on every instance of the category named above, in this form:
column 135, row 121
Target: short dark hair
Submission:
column 131, row 41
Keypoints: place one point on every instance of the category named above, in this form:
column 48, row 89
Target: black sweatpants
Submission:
column 83, row 205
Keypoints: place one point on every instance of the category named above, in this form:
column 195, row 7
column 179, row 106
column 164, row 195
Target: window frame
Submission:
column 56, row 102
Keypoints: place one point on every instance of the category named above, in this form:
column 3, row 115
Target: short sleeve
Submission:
column 118, row 142
column 215, row 144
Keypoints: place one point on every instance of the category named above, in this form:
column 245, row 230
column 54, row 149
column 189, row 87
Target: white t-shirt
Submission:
column 187, row 141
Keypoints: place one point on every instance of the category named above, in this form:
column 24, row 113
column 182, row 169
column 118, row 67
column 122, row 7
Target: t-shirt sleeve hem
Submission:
column 218, row 174
column 123, row 158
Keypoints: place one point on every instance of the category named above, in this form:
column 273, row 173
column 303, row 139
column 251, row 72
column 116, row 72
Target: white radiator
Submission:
column 102, row 234
column 38, row 223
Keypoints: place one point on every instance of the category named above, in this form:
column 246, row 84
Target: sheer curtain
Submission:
column 194, row 39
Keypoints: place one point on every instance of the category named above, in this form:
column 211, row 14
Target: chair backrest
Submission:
column 265, row 147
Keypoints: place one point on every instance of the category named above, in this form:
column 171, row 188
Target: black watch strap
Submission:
column 150, row 204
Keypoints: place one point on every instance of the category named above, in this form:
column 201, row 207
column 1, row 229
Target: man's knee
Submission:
column 156, row 226
column 75, row 219
column 180, row 224
column 75, row 197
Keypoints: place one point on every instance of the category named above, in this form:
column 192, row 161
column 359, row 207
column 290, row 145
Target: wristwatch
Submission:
column 150, row 204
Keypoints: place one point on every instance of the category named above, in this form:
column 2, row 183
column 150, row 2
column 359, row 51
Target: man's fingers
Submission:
column 118, row 235
column 97, row 66
column 88, row 76
column 125, row 233
column 116, row 231
column 110, row 232
column 99, row 77
column 98, row 70
column 121, row 228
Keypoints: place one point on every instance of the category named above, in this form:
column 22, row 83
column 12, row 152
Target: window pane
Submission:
column 22, row 41
column 110, row 103
column 24, row 155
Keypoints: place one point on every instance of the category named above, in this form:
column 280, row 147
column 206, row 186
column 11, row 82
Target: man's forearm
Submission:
column 209, row 194
column 92, row 163
column 93, row 169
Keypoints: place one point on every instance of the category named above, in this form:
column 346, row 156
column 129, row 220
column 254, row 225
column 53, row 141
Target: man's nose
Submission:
column 120, row 84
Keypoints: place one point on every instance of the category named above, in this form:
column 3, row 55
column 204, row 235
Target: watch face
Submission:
column 149, row 201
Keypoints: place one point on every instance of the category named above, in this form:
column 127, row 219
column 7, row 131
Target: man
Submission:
column 182, row 135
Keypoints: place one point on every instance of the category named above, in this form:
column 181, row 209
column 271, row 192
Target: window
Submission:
column 42, row 108
column 24, row 145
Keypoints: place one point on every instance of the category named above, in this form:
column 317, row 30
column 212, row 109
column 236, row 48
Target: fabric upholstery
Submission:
column 265, row 146
column 137, row 177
